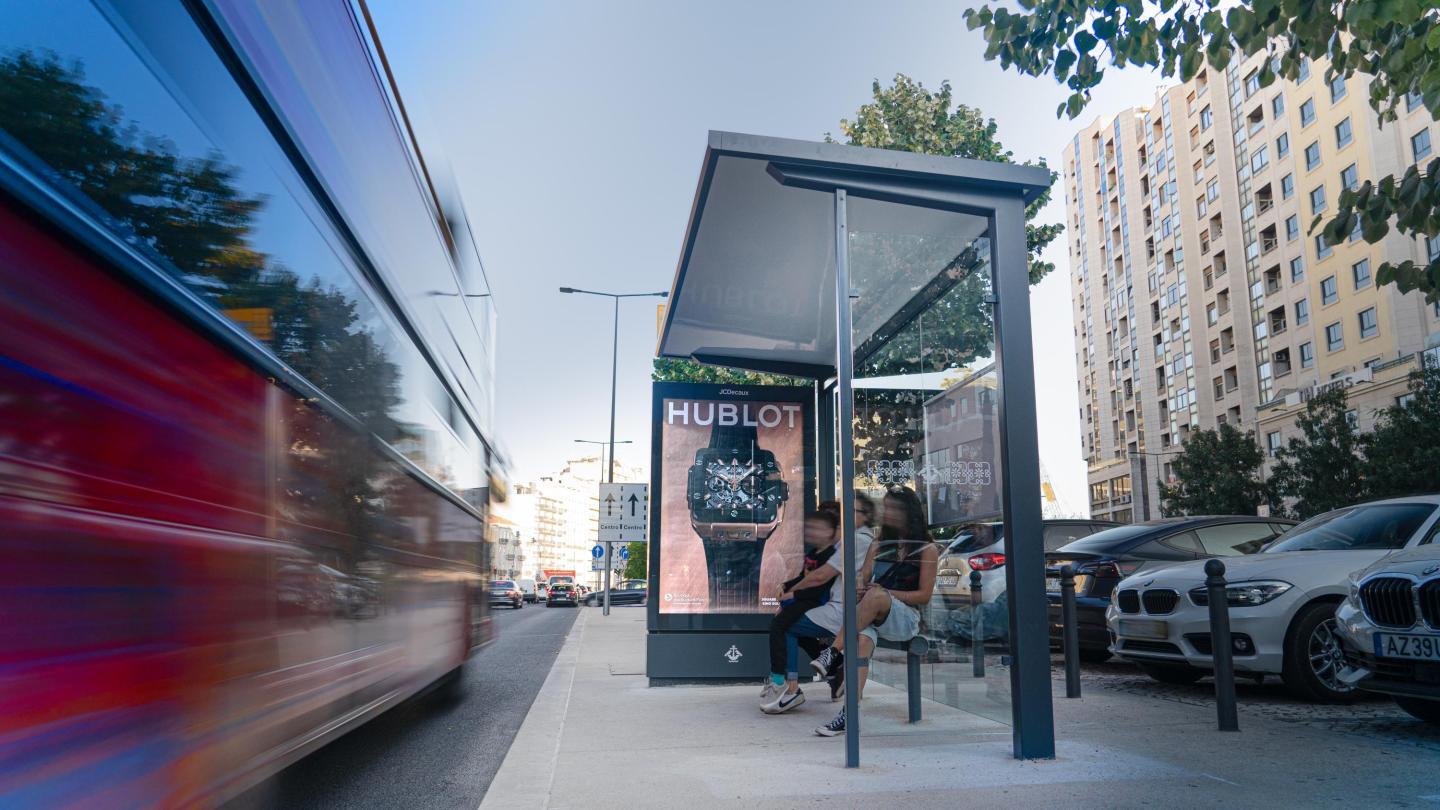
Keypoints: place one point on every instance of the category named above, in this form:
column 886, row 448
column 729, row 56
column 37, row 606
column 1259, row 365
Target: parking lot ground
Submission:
column 598, row 736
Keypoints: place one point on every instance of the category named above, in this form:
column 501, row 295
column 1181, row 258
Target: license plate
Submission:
column 1144, row 628
column 1407, row 645
column 947, row 582
column 1052, row 584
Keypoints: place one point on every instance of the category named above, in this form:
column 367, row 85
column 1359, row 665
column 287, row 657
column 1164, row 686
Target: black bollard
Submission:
column 977, row 628
column 1070, row 631
column 1220, row 646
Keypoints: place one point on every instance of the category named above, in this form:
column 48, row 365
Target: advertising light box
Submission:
column 731, row 481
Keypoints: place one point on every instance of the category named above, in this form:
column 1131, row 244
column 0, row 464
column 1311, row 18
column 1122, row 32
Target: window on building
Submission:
column 1307, row 112
column 1302, row 311
column 1292, row 228
column 1304, row 72
column 1361, row 271
column 1317, row 200
column 1212, row 191
column 1404, row 399
column 1343, row 134
column 1272, row 442
column 1206, row 117
column 1297, row 268
column 1329, row 290
column 1312, row 156
column 1252, row 84
column 1260, row 159
column 1282, row 146
column 1334, row 337
column 1322, row 248
column 1337, row 89
column 1287, row 186
column 1369, row 323
column 1432, row 248
column 1307, row 355
column 1420, row 144
column 1277, row 106
column 1353, row 417
column 1350, row 178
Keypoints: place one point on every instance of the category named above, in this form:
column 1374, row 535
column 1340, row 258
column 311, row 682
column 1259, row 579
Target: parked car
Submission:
column 980, row 547
column 1389, row 626
column 506, row 592
column 1103, row 559
column 1282, row 600
column 527, row 589
column 628, row 592
column 562, row 594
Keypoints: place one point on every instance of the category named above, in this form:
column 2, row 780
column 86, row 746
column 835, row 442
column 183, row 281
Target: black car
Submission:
column 562, row 594
column 629, row 592
column 506, row 592
column 1103, row 559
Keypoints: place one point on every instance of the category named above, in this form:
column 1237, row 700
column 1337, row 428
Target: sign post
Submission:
column 624, row 511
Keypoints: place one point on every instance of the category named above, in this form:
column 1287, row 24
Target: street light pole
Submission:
column 614, row 377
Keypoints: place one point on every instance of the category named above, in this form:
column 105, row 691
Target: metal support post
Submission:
column 610, row 468
column 1220, row 646
column 1071, row 631
column 977, row 627
column 845, row 443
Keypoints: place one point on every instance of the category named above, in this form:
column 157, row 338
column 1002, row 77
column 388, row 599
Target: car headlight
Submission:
column 1244, row 594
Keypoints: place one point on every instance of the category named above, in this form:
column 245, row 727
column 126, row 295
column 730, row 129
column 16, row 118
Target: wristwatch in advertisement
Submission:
column 737, row 498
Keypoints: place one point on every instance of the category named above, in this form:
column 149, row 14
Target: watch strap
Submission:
column 739, row 437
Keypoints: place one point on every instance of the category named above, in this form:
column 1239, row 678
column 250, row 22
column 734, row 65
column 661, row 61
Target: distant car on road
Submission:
column 1282, row 600
column 628, row 592
column 981, row 547
column 527, row 589
column 562, row 594
column 1389, row 626
column 1104, row 558
column 506, row 592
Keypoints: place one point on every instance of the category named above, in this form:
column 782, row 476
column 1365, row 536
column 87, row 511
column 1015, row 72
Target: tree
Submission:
column 1322, row 469
column 909, row 118
column 671, row 370
column 635, row 566
column 1217, row 473
column 1394, row 42
column 1402, row 454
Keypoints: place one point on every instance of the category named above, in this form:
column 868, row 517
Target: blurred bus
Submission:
column 246, row 353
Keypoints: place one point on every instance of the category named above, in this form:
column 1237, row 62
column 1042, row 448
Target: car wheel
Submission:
column 1419, row 708
column 1314, row 658
column 1178, row 674
column 1094, row 655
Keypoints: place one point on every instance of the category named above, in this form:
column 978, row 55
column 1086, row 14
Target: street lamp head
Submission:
column 567, row 289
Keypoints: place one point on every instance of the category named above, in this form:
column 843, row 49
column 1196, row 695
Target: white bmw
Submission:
column 1282, row 600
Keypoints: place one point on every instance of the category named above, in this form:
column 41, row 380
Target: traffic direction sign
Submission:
column 624, row 509
column 597, row 552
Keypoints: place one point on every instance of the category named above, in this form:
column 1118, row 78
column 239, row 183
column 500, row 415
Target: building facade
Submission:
column 1201, row 294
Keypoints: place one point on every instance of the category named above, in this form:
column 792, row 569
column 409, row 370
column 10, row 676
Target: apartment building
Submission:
column 557, row 515
column 1201, row 295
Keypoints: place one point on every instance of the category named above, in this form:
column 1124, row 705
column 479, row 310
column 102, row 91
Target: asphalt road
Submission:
column 428, row 753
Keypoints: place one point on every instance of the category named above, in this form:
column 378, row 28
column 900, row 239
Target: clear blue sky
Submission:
column 575, row 131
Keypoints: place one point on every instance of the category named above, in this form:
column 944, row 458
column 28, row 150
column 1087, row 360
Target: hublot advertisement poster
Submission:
column 731, row 481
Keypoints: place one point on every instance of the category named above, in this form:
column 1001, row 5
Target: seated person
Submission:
column 810, row 588
column 816, row 623
column 899, row 577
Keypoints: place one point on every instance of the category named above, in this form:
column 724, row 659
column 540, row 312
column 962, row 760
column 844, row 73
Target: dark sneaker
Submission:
column 834, row 728
column 837, row 684
column 784, row 702
column 827, row 662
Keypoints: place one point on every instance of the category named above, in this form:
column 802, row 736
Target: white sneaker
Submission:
column 784, row 702
column 769, row 692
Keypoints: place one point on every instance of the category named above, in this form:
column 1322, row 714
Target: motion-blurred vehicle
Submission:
column 627, row 592
column 1389, row 627
column 245, row 445
column 1282, row 601
column 564, row 595
column 527, row 589
column 981, row 547
column 1101, row 560
column 505, row 592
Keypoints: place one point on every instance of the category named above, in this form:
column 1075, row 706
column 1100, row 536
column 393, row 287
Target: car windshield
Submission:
column 1382, row 526
column 502, row 584
column 1107, row 541
column 975, row 537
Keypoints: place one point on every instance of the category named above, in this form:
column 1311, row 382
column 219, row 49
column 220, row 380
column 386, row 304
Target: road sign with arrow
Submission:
column 624, row 512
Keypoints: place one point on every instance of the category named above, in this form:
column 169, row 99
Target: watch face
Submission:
column 726, row 487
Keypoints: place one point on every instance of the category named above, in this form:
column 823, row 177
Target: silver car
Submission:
column 1282, row 600
column 981, row 547
column 1389, row 625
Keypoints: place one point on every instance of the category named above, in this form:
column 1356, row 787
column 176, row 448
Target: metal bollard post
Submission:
column 977, row 628
column 1070, row 631
column 1220, row 646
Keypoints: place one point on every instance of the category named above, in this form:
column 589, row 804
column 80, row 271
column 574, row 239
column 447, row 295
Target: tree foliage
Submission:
column 1217, row 473
column 1402, row 454
column 910, row 118
column 1395, row 43
column 1323, row 468
column 636, row 564
column 672, row 370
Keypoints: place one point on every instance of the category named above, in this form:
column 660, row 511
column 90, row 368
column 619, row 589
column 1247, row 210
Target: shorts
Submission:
column 902, row 624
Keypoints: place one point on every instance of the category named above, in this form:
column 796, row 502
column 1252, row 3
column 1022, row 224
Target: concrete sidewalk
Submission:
column 598, row 737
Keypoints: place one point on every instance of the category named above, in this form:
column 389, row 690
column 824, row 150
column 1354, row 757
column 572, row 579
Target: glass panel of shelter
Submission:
column 927, row 452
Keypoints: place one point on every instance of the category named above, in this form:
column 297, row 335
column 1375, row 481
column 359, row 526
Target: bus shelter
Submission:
column 897, row 285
